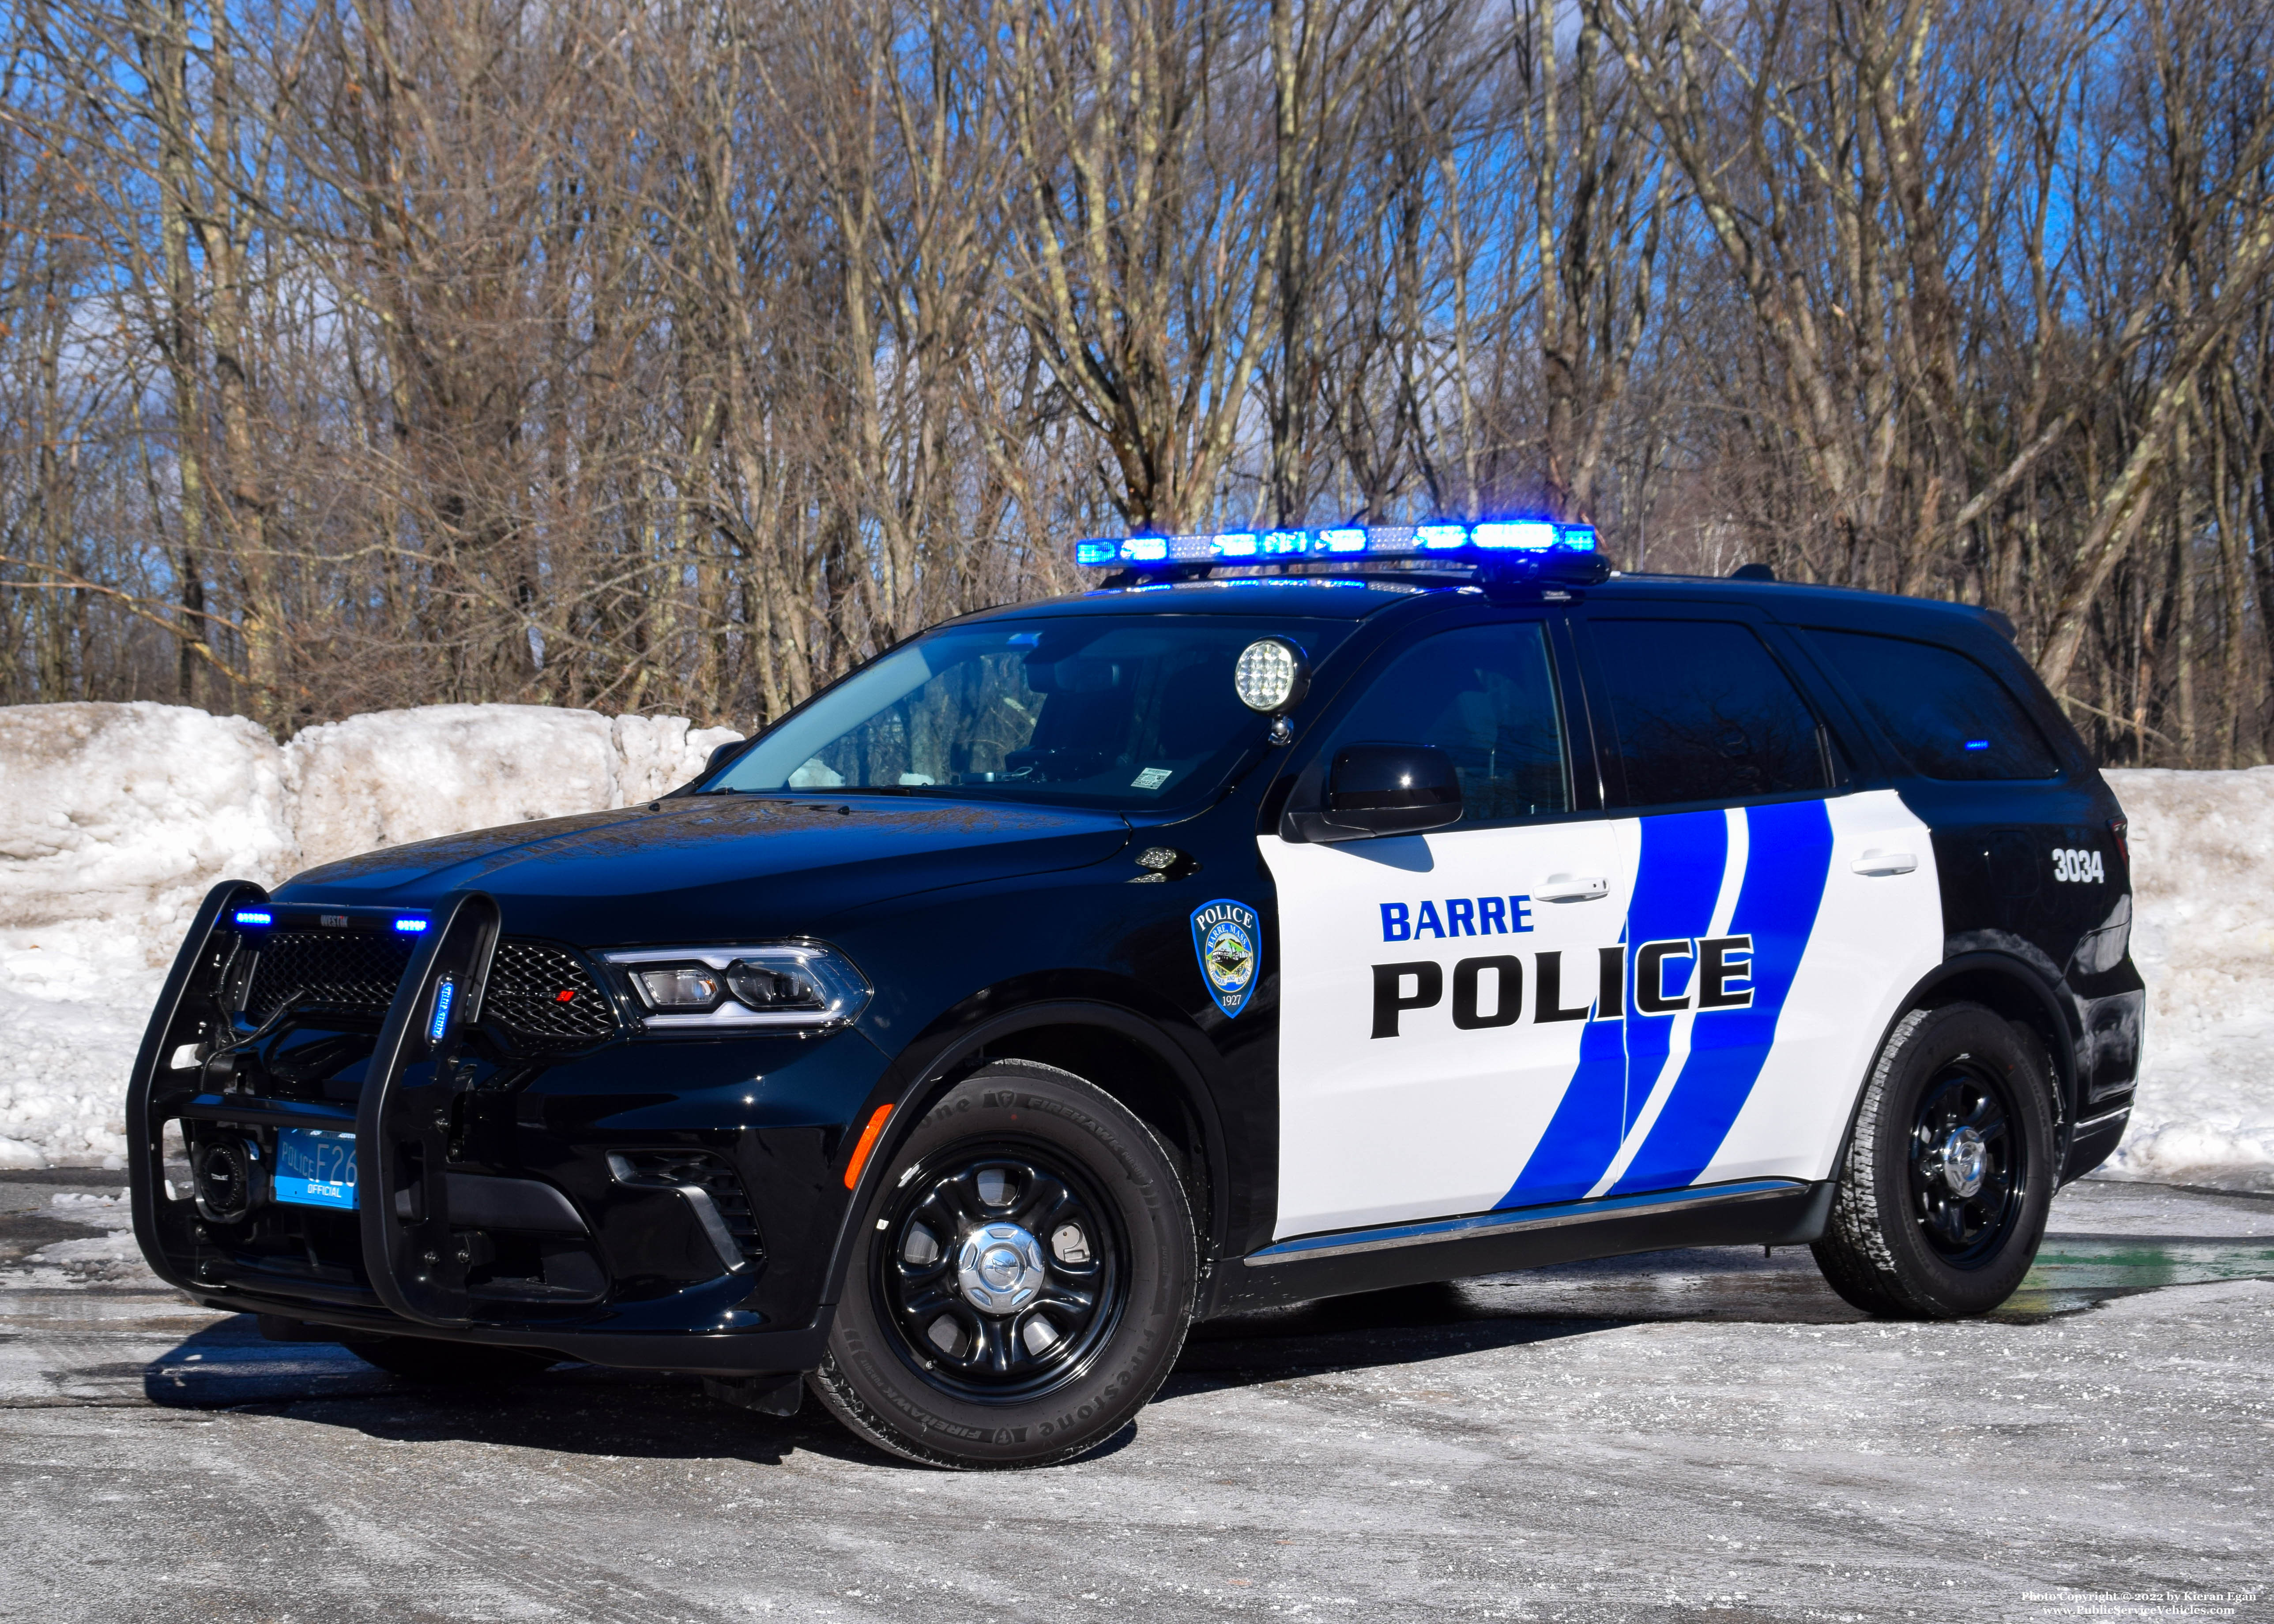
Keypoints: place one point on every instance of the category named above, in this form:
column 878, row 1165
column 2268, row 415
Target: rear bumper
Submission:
column 567, row 1201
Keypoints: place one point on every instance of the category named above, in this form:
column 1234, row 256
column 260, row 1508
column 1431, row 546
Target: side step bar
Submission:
column 1779, row 1212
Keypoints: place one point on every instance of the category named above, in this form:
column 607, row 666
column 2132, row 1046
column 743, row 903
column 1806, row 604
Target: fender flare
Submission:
column 2024, row 976
column 907, row 1087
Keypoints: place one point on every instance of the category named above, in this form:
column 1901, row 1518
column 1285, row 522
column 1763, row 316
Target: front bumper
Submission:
column 655, row 1204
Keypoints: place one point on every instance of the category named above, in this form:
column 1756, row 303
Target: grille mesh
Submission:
column 355, row 973
column 339, row 972
column 527, row 979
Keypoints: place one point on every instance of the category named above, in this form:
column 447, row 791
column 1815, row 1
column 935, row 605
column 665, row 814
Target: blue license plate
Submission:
column 315, row 1169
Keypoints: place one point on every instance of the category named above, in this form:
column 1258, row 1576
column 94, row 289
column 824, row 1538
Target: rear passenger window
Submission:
column 1700, row 712
column 1950, row 718
column 1486, row 696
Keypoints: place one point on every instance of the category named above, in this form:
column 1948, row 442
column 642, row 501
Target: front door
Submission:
column 1437, row 991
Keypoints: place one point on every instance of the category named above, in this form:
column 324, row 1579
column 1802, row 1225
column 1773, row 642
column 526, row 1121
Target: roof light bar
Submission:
column 1500, row 538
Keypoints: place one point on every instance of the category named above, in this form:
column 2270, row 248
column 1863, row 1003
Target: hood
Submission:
column 711, row 866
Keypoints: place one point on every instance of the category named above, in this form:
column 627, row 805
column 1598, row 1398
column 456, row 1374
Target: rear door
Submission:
column 1777, row 916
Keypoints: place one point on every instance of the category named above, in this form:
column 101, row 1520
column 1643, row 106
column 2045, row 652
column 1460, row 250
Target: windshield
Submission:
column 1126, row 712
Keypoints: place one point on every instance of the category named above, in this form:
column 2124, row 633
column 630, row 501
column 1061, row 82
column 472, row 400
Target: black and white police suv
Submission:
column 1298, row 914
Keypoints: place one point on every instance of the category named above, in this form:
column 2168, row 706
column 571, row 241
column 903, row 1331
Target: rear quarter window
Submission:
column 1948, row 714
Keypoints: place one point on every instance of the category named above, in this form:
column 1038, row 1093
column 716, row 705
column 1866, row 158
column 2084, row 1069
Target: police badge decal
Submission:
column 1228, row 936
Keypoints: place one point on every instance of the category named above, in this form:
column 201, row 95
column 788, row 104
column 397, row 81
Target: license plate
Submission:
column 315, row 1169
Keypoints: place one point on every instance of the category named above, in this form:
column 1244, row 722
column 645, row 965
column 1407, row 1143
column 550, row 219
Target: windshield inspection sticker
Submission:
column 1229, row 939
column 1152, row 777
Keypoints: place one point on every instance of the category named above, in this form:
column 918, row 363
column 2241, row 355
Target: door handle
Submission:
column 1571, row 888
column 1879, row 864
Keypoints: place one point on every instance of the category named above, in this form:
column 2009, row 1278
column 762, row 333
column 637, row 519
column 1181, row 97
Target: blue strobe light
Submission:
column 1542, row 541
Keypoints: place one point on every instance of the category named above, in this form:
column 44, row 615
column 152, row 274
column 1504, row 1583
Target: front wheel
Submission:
column 1948, row 1175
column 1021, row 1279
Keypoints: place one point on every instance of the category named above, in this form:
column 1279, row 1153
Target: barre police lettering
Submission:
column 1714, row 973
column 1461, row 916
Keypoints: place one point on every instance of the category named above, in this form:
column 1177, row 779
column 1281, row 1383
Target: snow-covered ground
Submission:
column 115, row 819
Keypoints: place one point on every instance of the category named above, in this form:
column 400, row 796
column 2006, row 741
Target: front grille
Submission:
column 337, row 973
column 536, row 991
column 539, row 991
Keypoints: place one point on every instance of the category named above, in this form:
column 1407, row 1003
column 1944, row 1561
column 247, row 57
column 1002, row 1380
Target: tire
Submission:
column 447, row 1364
column 961, row 1340
column 1928, row 1222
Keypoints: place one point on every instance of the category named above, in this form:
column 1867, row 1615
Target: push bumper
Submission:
column 582, row 1204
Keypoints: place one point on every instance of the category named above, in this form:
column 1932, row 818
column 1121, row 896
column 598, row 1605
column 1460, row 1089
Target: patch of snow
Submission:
column 2202, row 877
column 115, row 819
column 394, row 776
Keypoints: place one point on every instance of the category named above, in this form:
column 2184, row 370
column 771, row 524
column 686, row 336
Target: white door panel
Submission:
column 1877, row 933
column 1432, row 1121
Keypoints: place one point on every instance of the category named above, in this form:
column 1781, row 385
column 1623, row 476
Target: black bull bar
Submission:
column 416, row 1278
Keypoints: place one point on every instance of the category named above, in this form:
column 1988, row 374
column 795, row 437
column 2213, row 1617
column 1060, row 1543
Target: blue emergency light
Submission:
column 1515, row 541
column 410, row 926
column 254, row 916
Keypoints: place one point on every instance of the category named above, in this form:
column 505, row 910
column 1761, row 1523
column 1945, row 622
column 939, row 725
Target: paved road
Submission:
column 1643, row 1440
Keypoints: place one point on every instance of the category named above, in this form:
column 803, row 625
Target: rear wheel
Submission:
column 1943, row 1193
column 1021, row 1279
column 447, row 1364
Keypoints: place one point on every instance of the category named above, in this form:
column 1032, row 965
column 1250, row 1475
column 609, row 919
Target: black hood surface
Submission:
column 710, row 867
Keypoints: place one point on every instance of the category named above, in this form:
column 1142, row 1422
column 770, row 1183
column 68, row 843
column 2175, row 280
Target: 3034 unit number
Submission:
column 2078, row 867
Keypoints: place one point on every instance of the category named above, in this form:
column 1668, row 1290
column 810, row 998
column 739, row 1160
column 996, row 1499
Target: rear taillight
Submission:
column 2117, row 826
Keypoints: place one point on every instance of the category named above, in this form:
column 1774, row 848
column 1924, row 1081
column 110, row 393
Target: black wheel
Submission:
column 446, row 1363
column 1021, row 1280
column 1943, row 1193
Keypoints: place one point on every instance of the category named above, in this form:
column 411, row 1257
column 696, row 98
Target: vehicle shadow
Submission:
column 588, row 1411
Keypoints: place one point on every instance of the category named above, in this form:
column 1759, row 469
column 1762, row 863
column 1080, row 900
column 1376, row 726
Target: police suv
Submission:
column 1298, row 914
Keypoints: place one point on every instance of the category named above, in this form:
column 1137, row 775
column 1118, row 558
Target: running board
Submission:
column 1781, row 1212
column 1517, row 1220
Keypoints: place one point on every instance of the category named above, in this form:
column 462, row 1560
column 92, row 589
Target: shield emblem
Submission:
column 1228, row 940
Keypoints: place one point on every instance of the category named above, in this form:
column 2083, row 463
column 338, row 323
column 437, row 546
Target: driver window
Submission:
column 1484, row 695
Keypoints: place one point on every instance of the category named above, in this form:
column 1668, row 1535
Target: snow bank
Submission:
column 2203, row 873
column 115, row 819
column 398, row 776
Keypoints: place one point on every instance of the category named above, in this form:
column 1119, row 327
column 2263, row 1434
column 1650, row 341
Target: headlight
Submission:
column 682, row 988
column 795, row 986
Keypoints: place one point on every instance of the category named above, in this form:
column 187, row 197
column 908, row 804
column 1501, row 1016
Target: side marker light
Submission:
column 868, row 1136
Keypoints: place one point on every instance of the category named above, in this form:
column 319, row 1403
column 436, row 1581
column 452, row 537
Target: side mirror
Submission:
column 720, row 755
column 725, row 753
column 1391, row 789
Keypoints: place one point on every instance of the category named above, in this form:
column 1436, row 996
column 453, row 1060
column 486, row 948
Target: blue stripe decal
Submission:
column 1790, row 855
column 1676, row 881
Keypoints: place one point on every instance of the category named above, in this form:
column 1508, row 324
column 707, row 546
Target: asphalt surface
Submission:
column 1648, row 1439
